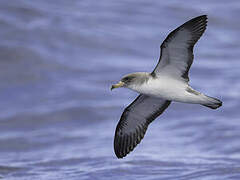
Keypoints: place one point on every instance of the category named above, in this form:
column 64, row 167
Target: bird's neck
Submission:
column 142, row 84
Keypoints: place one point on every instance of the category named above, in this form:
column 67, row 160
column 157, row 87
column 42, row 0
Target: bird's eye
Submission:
column 126, row 78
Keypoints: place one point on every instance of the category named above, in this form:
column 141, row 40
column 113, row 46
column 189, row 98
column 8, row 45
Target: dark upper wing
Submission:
column 177, row 49
column 134, row 122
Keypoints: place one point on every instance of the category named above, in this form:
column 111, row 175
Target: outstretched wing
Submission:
column 134, row 122
column 177, row 49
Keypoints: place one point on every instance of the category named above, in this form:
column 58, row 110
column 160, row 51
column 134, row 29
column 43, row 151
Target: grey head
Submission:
column 132, row 80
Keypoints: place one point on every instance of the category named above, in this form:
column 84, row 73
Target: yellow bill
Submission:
column 118, row 85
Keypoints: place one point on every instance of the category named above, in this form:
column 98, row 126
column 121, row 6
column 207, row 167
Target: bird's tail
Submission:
column 212, row 103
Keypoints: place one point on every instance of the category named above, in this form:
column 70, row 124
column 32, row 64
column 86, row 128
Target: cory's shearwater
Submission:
column 168, row 82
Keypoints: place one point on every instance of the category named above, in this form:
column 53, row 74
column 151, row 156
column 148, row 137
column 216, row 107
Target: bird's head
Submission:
column 131, row 80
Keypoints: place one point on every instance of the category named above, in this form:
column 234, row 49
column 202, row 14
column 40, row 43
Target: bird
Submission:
column 168, row 82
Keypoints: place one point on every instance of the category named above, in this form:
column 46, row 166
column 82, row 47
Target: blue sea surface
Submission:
column 58, row 116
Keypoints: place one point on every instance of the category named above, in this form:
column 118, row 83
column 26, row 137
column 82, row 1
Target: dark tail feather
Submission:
column 212, row 103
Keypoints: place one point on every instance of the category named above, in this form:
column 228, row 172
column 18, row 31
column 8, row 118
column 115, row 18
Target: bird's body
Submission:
column 169, row 88
column 163, row 87
column 168, row 82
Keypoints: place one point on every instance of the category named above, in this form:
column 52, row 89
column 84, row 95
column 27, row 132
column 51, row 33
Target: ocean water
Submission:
column 58, row 60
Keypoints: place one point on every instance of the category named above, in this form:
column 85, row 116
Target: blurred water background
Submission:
column 58, row 115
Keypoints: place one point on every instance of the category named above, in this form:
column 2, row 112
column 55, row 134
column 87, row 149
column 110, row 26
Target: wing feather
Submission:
column 134, row 122
column 177, row 49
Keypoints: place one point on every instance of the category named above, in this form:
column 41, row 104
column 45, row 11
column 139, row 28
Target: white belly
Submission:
column 167, row 88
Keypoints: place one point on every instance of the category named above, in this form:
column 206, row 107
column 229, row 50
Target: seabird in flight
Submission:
column 168, row 82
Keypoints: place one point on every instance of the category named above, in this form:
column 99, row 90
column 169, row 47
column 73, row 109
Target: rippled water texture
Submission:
column 58, row 115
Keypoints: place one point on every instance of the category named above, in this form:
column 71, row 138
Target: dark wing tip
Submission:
column 196, row 25
column 202, row 18
column 125, row 143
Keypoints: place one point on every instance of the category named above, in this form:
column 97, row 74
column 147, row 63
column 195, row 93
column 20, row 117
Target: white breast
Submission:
column 163, row 87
